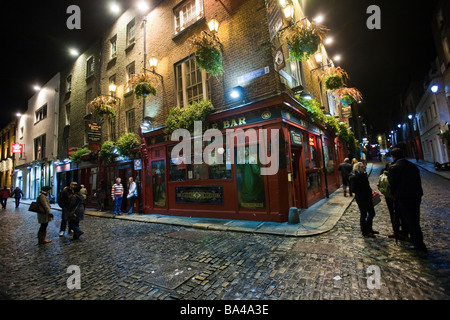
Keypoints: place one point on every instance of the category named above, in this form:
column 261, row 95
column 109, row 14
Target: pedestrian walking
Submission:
column 406, row 187
column 76, row 212
column 101, row 196
column 17, row 194
column 64, row 202
column 83, row 192
column 345, row 168
column 117, row 196
column 384, row 188
column 132, row 194
column 5, row 193
column 44, row 215
column 359, row 185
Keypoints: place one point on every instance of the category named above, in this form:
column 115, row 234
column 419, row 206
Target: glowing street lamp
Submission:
column 434, row 88
column 213, row 25
column 114, row 8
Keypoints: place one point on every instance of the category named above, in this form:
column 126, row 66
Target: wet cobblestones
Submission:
column 130, row 260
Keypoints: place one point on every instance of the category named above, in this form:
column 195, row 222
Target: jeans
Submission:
column 3, row 202
column 75, row 226
column 131, row 204
column 63, row 220
column 367, row 213
column 17, row 202
column 117, row 205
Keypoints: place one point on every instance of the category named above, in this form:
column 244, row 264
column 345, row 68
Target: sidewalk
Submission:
column 319, row 218
column 430, row 168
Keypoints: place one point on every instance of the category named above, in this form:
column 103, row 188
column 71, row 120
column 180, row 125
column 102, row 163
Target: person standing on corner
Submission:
column 345, row 168
column 132, row 194
column 406, row 186
column 44, row 215
column 117, row 196
column 4, row 195
column 17, row 193
column 359, row 185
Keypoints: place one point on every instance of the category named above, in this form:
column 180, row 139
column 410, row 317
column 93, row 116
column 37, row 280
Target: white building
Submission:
column 37, row 131
column 432, row 117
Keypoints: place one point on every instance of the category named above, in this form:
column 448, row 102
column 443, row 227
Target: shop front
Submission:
column 232, row 174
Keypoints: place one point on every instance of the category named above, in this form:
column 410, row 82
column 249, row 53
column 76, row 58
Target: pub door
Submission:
column 296, row 176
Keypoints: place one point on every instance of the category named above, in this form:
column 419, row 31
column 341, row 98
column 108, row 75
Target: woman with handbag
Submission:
column 44, row 214
column 359, row 185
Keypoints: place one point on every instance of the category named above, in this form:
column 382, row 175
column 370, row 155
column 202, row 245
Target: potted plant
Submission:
column 102, row 106
column 304, row 39
column 334, row 78
column 126, row 143
column 106, row 151
column 76, row 157
column 142, row 85
column 207, row 53
column 183, row 118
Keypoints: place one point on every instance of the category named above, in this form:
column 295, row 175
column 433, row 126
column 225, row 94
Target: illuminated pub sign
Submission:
column 17, row 148
column 199, row 194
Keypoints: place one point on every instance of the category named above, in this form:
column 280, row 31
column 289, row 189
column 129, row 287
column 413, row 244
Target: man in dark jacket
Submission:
column 406, row 187
column 345, row 168
column 64, row 202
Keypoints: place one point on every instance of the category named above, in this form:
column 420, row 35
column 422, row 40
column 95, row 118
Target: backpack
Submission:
column 383, row 186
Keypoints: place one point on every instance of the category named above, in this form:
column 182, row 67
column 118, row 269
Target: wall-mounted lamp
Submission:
column 288, row 12
column 319, row 57
column 238, row 93
column 434, row 88
column 213, row 26
column 410, row 116
column 306, row 96
column 153, row 64
column 112, row 88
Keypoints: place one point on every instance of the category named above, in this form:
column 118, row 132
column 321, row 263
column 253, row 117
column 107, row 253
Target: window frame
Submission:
column 130, row 121
column 90, row 67
column 179, row 14
column 131, row 26
column 41, row 113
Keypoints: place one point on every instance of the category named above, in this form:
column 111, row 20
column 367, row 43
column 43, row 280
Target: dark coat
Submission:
column 345, row 169
column 404, row 180
column 359, row 185
column 76, row 208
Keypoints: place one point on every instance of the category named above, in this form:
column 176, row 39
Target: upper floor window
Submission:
column 67, row 115
column 187, row 13
column 39, row 147
column 69, row 83
column 113, row 47
column 130, row 121
column 89, row 67
column 130, row 69
column 89, row 98
column 131, row 28
column 191, row 82
column 41, row 113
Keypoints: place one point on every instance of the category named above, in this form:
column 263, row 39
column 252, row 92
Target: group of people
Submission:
column 401, row 185
column 72, row 201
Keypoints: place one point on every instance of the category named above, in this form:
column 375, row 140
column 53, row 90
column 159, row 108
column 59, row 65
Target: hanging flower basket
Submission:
column 304, row 39
column 207, row 53
column 102, row 106
column 347, row 95
column 183, row 118
column 127, row 142
column 334, row 78
column 142, row 83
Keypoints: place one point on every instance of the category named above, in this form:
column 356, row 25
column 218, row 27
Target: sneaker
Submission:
column 61, row 233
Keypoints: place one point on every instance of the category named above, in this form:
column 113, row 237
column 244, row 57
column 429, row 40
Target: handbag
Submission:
column 376, row 198
column 34, row 207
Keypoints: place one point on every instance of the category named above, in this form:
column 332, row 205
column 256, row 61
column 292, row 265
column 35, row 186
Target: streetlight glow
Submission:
column 410, row 116
column 328, row 40
column 434, row 88
column 318, row 19
column 143, row 6
column 37, row 88
column 73, row 52
column 115, row 8
column 337, row 57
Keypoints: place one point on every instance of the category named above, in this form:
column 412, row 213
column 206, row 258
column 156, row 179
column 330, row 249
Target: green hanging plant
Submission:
column 106, row 151
column 207, row 53
column 142, row 83
column 183, row 118
column 334, row 78
column 127, row 142
column 102, row 106
column 304, row 39
column 76, row 157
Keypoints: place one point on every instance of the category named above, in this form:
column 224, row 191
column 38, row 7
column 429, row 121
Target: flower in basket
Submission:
column 207, row 53
column 347, row 95
column 102, row 106
column 304, row 39
column 142, row 83
column 334, row 78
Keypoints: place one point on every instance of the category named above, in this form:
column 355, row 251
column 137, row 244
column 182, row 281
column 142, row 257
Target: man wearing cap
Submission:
column 64, row 202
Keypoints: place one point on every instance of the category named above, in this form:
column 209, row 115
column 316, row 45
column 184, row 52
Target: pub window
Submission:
column 113, row 47
column 67, row 115
column 191, row 83
column 130, row 71
column 69, row 83
column 186, row 14
column 89, row 67
column 131, row 28
column 111, row 127
column 130, row 121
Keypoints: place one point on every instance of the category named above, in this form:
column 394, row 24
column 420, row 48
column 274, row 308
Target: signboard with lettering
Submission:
column 138, row 164
column 274, row 17
column 94, row 132
column 199, row 195
column 17, row 148
column 296, row 138
column 252, row 75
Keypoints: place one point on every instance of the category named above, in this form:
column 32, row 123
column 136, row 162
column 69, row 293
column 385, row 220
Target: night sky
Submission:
column 379, row 62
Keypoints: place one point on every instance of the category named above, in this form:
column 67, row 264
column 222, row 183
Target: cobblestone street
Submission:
column 130, row 260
